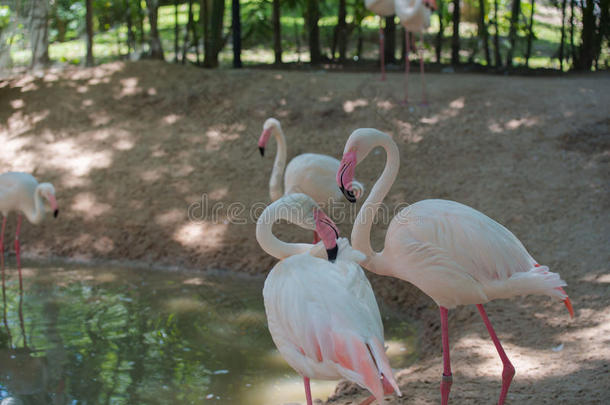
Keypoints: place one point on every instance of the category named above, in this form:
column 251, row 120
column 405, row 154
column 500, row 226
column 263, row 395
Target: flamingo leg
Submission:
column 407, row 67
column 368, row 401
column 421, row 70
column 381, row 49
column 2, row 250
column 18, row 250
column 307, row 390
column 508, row 371
column 316, row 237
column 447, row 378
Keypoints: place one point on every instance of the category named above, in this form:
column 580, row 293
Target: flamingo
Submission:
column 453, row 253
column 321, row 310
column 383, row 8
column 310, row 173
column 21, row 192
column 414, row 16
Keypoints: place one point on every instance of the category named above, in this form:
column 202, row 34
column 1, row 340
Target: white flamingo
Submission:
column 453, row 253
column 310, row 173
column 322, row 316
column 383, row 8
column 20, row 192
column 414, row 16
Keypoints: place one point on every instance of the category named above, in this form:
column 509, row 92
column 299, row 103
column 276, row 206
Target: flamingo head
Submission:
column 345, row 175
column 47, row 191
column 431, row 4
column 268, row 128
column 328, row 233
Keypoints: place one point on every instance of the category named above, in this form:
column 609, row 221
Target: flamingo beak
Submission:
column 53, row 204
column 328, row 233
column 262, row 141
column 345, row 175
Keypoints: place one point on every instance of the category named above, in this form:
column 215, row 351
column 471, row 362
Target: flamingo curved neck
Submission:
column 36, row 215
column 279, row 164
column 268, row 241
column 361, row 232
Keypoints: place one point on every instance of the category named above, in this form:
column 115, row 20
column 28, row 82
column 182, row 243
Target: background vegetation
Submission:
column 487, row 34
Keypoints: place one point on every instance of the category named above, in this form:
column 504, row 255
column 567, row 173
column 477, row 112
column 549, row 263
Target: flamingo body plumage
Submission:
column 322, row 315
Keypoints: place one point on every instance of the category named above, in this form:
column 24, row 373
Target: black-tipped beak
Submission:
column 332, row 253
column 262, row 151
column 55, row 213
column 349, row 194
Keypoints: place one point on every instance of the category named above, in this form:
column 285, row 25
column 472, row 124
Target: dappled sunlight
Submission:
column 203, row 236
column 86, row 205
column 129, row 87
column 170, row 217
column 351, row 106
column 290, row 390
column 68, row 156
column 185, row 304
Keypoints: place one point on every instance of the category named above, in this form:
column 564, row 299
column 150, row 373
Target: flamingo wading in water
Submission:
column 20, row 192
column 453, row 253
column 321, row 311
column 310, row 173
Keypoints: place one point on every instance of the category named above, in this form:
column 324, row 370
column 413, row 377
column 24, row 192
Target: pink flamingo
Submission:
column 21, row 192
column 321, row 310
column 383, row 8
column 414, row 16
column 453, row 253
column 310, row 173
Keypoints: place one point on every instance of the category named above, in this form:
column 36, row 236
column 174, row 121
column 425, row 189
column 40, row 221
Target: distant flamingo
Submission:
column 383, row 8
column 323, row 316
column 310, row 173
column 21, row 192
column 414, row 16
column 453, row 253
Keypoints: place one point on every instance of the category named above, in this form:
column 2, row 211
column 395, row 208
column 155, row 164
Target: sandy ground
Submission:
column 131, row 146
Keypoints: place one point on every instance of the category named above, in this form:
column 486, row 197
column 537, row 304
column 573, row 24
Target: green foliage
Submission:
column 5, row 17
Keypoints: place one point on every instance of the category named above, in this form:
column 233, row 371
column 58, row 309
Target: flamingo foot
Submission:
column 508, row 372
column 446, row 382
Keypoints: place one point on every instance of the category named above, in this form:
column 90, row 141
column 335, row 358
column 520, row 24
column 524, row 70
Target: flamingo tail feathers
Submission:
column 383, row 364
column 566, row 300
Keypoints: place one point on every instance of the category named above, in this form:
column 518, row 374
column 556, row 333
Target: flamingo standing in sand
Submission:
column 453, row 253
column 414, row 16
column 310, row 173
column 383, row 8
column 321, row 309
column 21, row 192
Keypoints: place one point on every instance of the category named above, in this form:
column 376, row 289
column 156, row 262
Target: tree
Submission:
column 156, row 49
column 455, row 40
column 563, row 34
column 512, row 33
column 176, row 31
column 39, row 33
column 312, row 17
column 441, row 29
column 587, row 37
column 131, row 39
column 497, row 56
column 89, row 22
column 277, row 34
column 235, row 15
column 389, row 45
column 483, row 31
column 530, row 36
column 213, row 25
column 340, row 37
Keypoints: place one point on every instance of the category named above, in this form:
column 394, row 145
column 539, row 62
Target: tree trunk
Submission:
column 497, row 55
column 530, row 36
column 156, row 49
column 587, row 37
column 439, row 36
column 563, row 34
column 312, row 17
column 342, row 32
column 483, row 31
column 39, row 33
column 572, row 47
column 140, row 23
column 277, row 32
column 389, row 43
column 176, row 31
column 512, row 33
column 187, row 31
column 360, row 42
column 236, row 17
column 455, row 41
column 131, row 39
column 603, row 30
column 89, row 23
column 214, row 41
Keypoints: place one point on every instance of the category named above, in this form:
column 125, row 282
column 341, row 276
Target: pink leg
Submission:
column 381, row 50
column 307, row 391
column 2, row 249
column 508, row 371
column 316, row 238
column 421, row 70
column 18, row 250
column 368, row 401
column 407, row 67
column 447, row 378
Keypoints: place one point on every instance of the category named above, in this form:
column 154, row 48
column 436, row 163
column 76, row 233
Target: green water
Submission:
column 127, row 336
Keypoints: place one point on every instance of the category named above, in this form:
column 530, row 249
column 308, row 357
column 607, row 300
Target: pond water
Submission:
column 82, row 335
